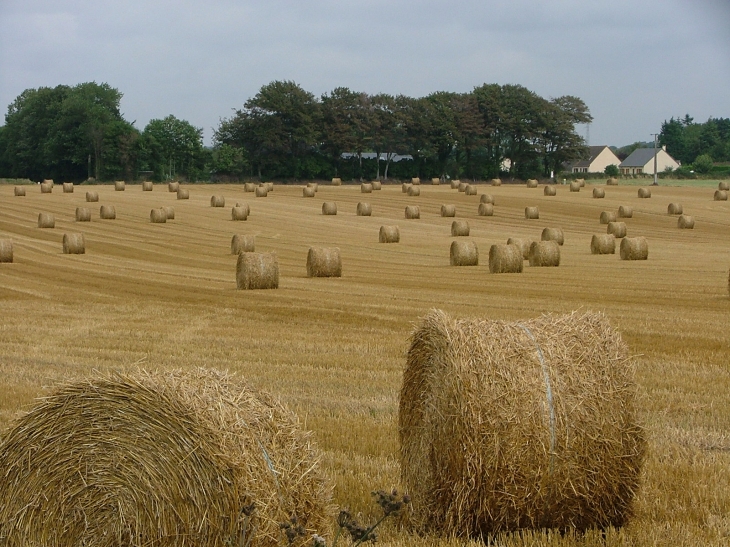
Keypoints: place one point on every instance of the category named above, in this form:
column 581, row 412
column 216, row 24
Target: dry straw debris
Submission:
column 239, row 213
column 19, row 191
column 173, row 186
column 119, row 186
column 107, row 212
column 151, row 458
column 519, row 425
column 147, row 186
column 644, row 193
column 366, row 188
column 486, row 198
column 183, row 193
column 470, row 190
column 544, row 253
column 257, row 271
column 413, row 211
column 464, row 253
column 625, row 211
column 531, row 183
column 459, row 228
column 324, row 262
column 6, row 250
column 532, row 213
column 158, row 216
column 674, row 209
column 217, row 201
column 83, row 214
column 485, row 210
column 522, row 244
column 448, row 210
column 496, row 182
column 74, row 244
column 553, row 234
column 607, row 216
column 505, row 259
column 575, row 186
column 329, row 208
column 720, row 195
column 46, row 220
column 414, row 191
column 550, row 190
column 685, row 222
column 389, row 234
column 634, row 248
column 364, row 209
column 243, row 244
column 92, row 197
column 618, row 229
column 599, row 193
column 336, row 181
column 308, row 192
column 603, row 244
column 46, row 187
column 68, row 187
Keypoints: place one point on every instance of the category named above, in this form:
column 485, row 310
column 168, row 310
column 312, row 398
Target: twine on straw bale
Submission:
column 152, row 458
column 366, row 188
column 46, row 220
column 603, row 244
column 413, row 211
column 685, row 222
column 448, row 210
column 634, row 248
column 173, row 186
column 324, row 262
column 158, row 216
column 459, row 228
column 550, row 190
column 364, row 209
column 147, row 186
column 463, row 253
column 107, row 212
column 644, row 193
column 599, row 193
column 243, row 244
column 674, row 209
column 119, row 185
column 485, row 210
column 607, row 216
column 489, row 445
column 74, row 244
column 505, row 259
column 389, row 234
column 68, row 187
column 522, row 244
column 720, row 195
column 486, row 198
column 217, row 201
column 19, row 191
column 618, row 229
column 553, row 234
column 183, row 193
column 532, row 213
column 329, row 208
column 83, row 214
column 575, row 186
column 544, row 253
column 92, row 197
column 257, row 271
column 6, row 250
column 414, row 191
column 625, row 211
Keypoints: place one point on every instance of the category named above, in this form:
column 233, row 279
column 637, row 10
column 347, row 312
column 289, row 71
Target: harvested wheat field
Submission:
column 333, row 350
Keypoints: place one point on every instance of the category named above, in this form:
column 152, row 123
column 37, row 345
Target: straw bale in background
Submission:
column 618, row 229
column 74, row 244
column 92, row 196
column 147, row 186
column 107, row 212
column 544, row 253
column 485, row 210
column 329, row 208
column 364, row 209
column 685, row 222
column 553, row 234
column 505, row 259
column 46, row 220
column 257, row 271
column 6, row 250
column 603, row 244
column 83, row 214
column 389, row 234
column 634, row 248
column 413, row 211
column 243, row 244
column 464, row 253
column 448, row 210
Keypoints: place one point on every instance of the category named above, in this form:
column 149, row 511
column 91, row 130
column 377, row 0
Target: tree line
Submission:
column 285, row 132
column 697, row 144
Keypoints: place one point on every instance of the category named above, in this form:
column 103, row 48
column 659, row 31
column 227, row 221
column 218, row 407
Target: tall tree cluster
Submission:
column 686, row 140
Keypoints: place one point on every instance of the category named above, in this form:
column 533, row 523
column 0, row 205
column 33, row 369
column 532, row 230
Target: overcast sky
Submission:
column 634, row 62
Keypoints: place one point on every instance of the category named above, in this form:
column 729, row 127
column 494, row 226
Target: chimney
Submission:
column 664, row 147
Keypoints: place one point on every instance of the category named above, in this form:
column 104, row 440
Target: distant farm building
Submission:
column 599, row 158
column 641, row 161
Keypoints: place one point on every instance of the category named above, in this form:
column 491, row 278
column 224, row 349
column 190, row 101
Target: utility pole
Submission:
column 655, row 153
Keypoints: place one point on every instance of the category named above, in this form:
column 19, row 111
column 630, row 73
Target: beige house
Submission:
column 641, row 161
column 599, row 158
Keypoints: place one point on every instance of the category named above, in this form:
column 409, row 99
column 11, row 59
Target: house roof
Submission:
column 593, row 151
column 639, row 157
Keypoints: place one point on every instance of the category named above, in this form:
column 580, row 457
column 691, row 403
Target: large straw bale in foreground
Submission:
column 74, row 244
column 464, row 253
column 149, row 459
column 685, row 222
column 544, row 253
column 243, row 244
column 389, row 234
column 603, row 244
column 257, row 271
column 634, row 248
column 505, row 426
column 324, row 262
column 505, row 259
column 6, row 250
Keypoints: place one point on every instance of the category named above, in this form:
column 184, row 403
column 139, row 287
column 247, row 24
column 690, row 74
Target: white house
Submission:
column 599, row 158
column 641, row 161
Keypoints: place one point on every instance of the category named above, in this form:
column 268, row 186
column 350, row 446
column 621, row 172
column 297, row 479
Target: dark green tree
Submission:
column 173, row 148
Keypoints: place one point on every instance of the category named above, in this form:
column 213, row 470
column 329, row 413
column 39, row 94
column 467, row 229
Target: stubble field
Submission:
column 162, row 296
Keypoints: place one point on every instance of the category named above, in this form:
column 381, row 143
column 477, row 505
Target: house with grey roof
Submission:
column 641, row 161
column 599, row 157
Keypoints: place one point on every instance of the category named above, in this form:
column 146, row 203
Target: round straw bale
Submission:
column 522, row 244
column 47, row 181
column 308, row 192
column 686, row 222
column 377, row 185
column 68, row 187
column 336, row 181
column 618, row 229
column 723, row 185
column 644, row 193
column 257, row 271
column 550, row 190
column 416, row 181
column 158, row 216
column 448, row 210
column 625, row 211
column 83, row 214
column 462, row 186
column 217, row 201
column 414, row 191
column 634, row 248
column 484, row 449
column 485, row 210
column 245, row 206
column 532, row 213
column 435, row 181
column 169, row 212
column 607, row 216
column 470, row 190
column 413, row 211
column 459, row 228
column 599, row 193
column 455, row 184
column 151, row 458
column 389, row 234
column 329, row 208
column 46, row 220
column 147, row 186
column 270, row 186
column 46, row 187
column 183, row 193
column 314, row 185
column 603, row 244
column 92, row 196
column 720, row 195
column 107, row 212
column 19, row 191
column 405, row 187
column 464, row 253
column 486, row 198
column 6, row 250
column 243, row 244
column 324, row 262
column 74, row 244
column 249, row 186
column 261, row 192
column 612, row 182
column 674, row 209
column 544, row 253
column 531, row 183
column 496, row 182
column 553, row 234
column 364, row 209
column 119, row 186
column 574, row 186
column 581, row 182
column 239, row 213
column 173, row 186
column 505, row 259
